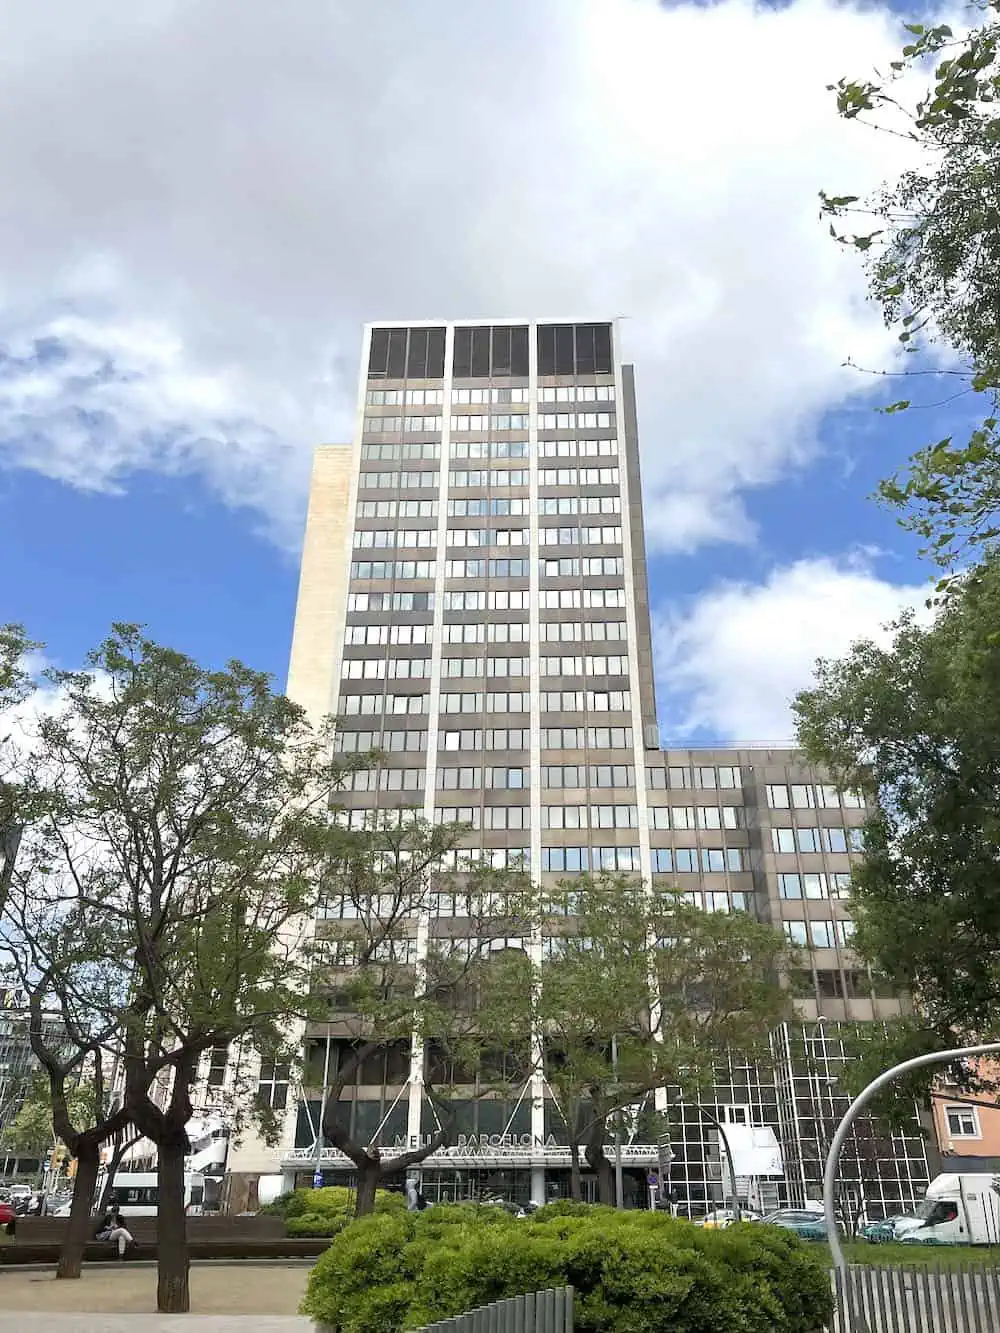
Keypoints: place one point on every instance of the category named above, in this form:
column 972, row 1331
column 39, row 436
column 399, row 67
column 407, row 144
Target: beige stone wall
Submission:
column 320, row 609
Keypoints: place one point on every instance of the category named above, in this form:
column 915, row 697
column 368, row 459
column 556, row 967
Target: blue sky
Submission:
column 202, row 214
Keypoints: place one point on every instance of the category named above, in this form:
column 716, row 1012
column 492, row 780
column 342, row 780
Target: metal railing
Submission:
column 538, row 1312
column 925, row 1298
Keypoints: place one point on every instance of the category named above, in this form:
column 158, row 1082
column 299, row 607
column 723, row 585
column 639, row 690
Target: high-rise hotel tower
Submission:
column 473, row 602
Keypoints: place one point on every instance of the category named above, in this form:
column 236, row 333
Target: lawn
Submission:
column 937, row 1256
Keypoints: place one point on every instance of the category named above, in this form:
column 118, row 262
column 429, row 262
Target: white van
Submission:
column 137, row 1193
column 957, row 1210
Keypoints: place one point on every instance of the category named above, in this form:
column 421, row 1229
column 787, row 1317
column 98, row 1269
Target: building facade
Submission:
column 473, row 603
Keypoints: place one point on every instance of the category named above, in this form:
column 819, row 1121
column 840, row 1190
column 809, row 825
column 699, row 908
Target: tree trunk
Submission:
column 598, row 1162
column 172, row 1293
column 575, row 1183
column 109, row 1179
column 369, row 1176
column 88, row 1161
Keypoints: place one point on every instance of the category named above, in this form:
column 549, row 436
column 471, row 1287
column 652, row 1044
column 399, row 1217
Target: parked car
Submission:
column 725, row 1217
column 8, row 1214
column 881, row 1232
column 806, row 1224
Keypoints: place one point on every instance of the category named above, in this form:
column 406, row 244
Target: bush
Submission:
column 326, row 1211
column 633, row 1272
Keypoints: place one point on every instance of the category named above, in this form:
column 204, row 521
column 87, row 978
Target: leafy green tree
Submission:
column 32, row 1132
column 917, row 724
column 443, row 1008
column 184, row 839
column 931, row 242
column 638, row 991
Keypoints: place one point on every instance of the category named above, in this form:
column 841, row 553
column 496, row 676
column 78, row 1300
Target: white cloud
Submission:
column 730, row 662
column 204, row 203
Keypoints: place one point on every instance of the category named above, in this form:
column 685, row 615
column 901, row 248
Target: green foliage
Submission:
column 31, row 1132
column 933, row 260
column 633, row 1272
column 326, row 1211
column 918, row 725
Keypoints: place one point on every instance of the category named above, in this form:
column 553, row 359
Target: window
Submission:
column 603, row 598
column 605, row 630
column 686, row 859
column 777, row 797
column 461, row 703
column 808, row 839
column 709, row 817
column 564, row 775
column 835, row 839
column 463, row 633
column 564, row 817
column 513, row 702
column 796, row 932
column 814, row 885
column 612, row 775
column 783, row 841
column 507, row 817
column 614, row 816
column 963, row 1122
column 610, row 738
column 505, row 778
column 616, row 858
column 560, row 631
column 734, row 859
column 840, row 884
column 464, row 601
column 561, row 701
column 560, row 666
column 822, row 934
column 609, row 701
column 507, row 738
column 272, row 1083
column 682, row 816
column 856, row 839
column 713, row 860
column 852, row 800
column 464, row 779
column 789, row 886
column 562, row 738
column 218, row 1059
column 504, row 599
column 565, row 859
column 662, row 859
column 803, row 796
column 678, row 777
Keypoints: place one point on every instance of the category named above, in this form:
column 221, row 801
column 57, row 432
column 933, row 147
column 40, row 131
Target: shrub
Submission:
column 633, row 1272
column 326, row 1211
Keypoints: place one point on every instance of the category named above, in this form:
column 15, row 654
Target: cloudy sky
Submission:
column 204, row 201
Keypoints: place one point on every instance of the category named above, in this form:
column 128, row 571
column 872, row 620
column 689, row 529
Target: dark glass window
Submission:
column 462, row 359
column 481, row 352
column 397, row 354
column 378, row 359
column 425, row 355
column 501, row 350
column 519, row 350
column 564, row 349
column 435, row 354
column 574, row 349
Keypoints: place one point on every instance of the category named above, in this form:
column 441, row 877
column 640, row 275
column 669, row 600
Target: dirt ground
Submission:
column 227, row 1289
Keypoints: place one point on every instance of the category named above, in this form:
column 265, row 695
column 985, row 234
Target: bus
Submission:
column 137, row 1192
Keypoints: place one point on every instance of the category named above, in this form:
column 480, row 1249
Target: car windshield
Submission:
column 935, row 1211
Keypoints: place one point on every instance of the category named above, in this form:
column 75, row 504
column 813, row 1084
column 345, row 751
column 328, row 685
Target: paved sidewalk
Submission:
column 151, row 1323
column 225, row 1298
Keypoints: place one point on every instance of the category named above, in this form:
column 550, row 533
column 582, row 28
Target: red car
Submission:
column 7, row 1214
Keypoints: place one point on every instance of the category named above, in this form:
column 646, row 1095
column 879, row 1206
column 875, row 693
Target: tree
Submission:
column 639, row 991
column 917, row 724
column 15, row 686
column 446, row 1001
column 32, row 1133
column 185, row 834
column 931, row 242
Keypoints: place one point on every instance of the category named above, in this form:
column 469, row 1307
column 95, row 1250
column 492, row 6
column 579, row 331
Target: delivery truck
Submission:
column 958, row 1210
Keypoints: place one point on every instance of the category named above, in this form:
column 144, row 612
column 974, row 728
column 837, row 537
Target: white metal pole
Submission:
column 855, row 1109
column 322, row 1108
column 619, row 1188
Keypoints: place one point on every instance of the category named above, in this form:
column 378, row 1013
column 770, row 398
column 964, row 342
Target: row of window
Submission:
column 583, row 448
column 359, row 742
column 393, row 569
column 379, row 425
column 702, row 816
column 806, row 796
column 578, row 393
column 467, row 668
column 488, row 536
column 490, row 449
column 397, row 509
column 579, row 504
column 479, row 569
column 385, row 779
column 818, row 885
column 407, row 453
column 479, row 507
column 397, row 397
column 706, row 777
column 492, row 818
column 496, row 631
column 390, row 601
column 464, row 424
column 820, row 934
column 688, row 860
column 576, row 738
column 579, row 476
column 569, row 860
column 379, row 538
column 518, row 393
column 474, row 778
column 790, row 840
column 583, row 775
column 575, row 420
column 393, row 668
column 398, row 481
column 610, row 536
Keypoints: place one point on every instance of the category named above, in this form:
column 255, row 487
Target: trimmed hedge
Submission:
column 326, row 1211
column 633, row 1272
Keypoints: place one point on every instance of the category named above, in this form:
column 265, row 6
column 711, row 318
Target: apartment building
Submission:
column 473, row 602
